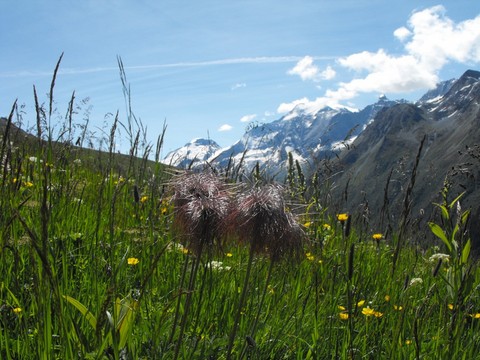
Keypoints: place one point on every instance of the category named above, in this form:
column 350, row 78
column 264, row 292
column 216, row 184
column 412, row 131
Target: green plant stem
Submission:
column 240, row 304
column 188, row 300
column 179, row 300
column 262, row 300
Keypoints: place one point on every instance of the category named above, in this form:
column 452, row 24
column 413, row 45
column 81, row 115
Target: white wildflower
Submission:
column 415, row 281
column 217, row 265
column 34, row 159
column 439, row 256
column 176, row 247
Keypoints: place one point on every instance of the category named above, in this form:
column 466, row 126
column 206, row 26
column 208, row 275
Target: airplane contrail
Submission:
column 231, row 61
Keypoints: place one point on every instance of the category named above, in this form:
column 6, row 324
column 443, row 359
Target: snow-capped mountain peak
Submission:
column 191, row 154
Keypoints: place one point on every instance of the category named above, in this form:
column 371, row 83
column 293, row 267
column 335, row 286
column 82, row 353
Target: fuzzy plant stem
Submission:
column 240, row 304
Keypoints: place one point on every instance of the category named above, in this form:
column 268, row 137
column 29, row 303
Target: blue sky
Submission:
column 208, row 68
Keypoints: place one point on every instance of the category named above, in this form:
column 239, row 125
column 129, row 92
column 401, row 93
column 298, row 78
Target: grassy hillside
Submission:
column 110, row 257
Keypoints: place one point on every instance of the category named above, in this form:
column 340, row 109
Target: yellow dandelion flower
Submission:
column 307, row 224
column 475, row 316
column 387, row 298
column 341, row 308
column 327, row 227
column 450, row 306
column 17, row 310
column 132, row 261
column 28, row 184
column 143, row 199
column 371, row 312
column 342, row 217
column 408, row 342
column 229, row 254
column 14, row 180
column 361, row 303
column 164, row 210
column 343, row 316
column 184, row 250
column 309, row 256
column 367, row 311
column 398, row 307
column 377, row 237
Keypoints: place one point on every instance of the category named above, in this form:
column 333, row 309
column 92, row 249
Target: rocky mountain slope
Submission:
column 375, row 172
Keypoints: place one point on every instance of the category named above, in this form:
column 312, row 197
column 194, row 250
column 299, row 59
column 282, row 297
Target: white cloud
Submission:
column 287, row 107
column 238, row 86
column 305, row 69
column 309, row 105
column 225, row 127
column 436, row 39
column 402, row 33
column 328, row 73
column 431, row 40
column 248, row 118
column 308, row 71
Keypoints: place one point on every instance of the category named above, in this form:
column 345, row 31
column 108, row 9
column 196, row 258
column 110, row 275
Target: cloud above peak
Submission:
column 225, row 127
column 248, row 118
column 308, row 71
column 435, row 39
column 430, row 41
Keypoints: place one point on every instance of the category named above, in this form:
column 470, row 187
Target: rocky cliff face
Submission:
column 376, row 171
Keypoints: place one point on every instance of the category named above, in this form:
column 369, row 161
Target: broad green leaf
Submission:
column 466, row 251
column 454, row 232
column 444, row 210
column 82, row 308
column 125, row 324
column 438, row 231
column 125, row 314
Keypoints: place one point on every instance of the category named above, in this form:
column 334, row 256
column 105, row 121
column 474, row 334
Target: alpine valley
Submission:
column 370, row 157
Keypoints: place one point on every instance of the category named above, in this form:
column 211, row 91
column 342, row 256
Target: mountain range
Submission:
column 306, row 133
column 370, row 154
column 441, row 134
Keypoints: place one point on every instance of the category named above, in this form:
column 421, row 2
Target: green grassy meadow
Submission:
column 107, row 257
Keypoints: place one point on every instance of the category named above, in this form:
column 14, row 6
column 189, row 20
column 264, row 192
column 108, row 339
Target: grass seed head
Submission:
column 201, row 203
column 260, row 218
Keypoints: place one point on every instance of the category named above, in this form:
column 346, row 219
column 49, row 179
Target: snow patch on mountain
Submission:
column 192, row 154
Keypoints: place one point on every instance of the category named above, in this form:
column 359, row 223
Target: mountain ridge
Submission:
column 308, row 134
column 377, row 169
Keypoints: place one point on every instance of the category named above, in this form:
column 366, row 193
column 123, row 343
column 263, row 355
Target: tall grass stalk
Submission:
column 407, row 204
